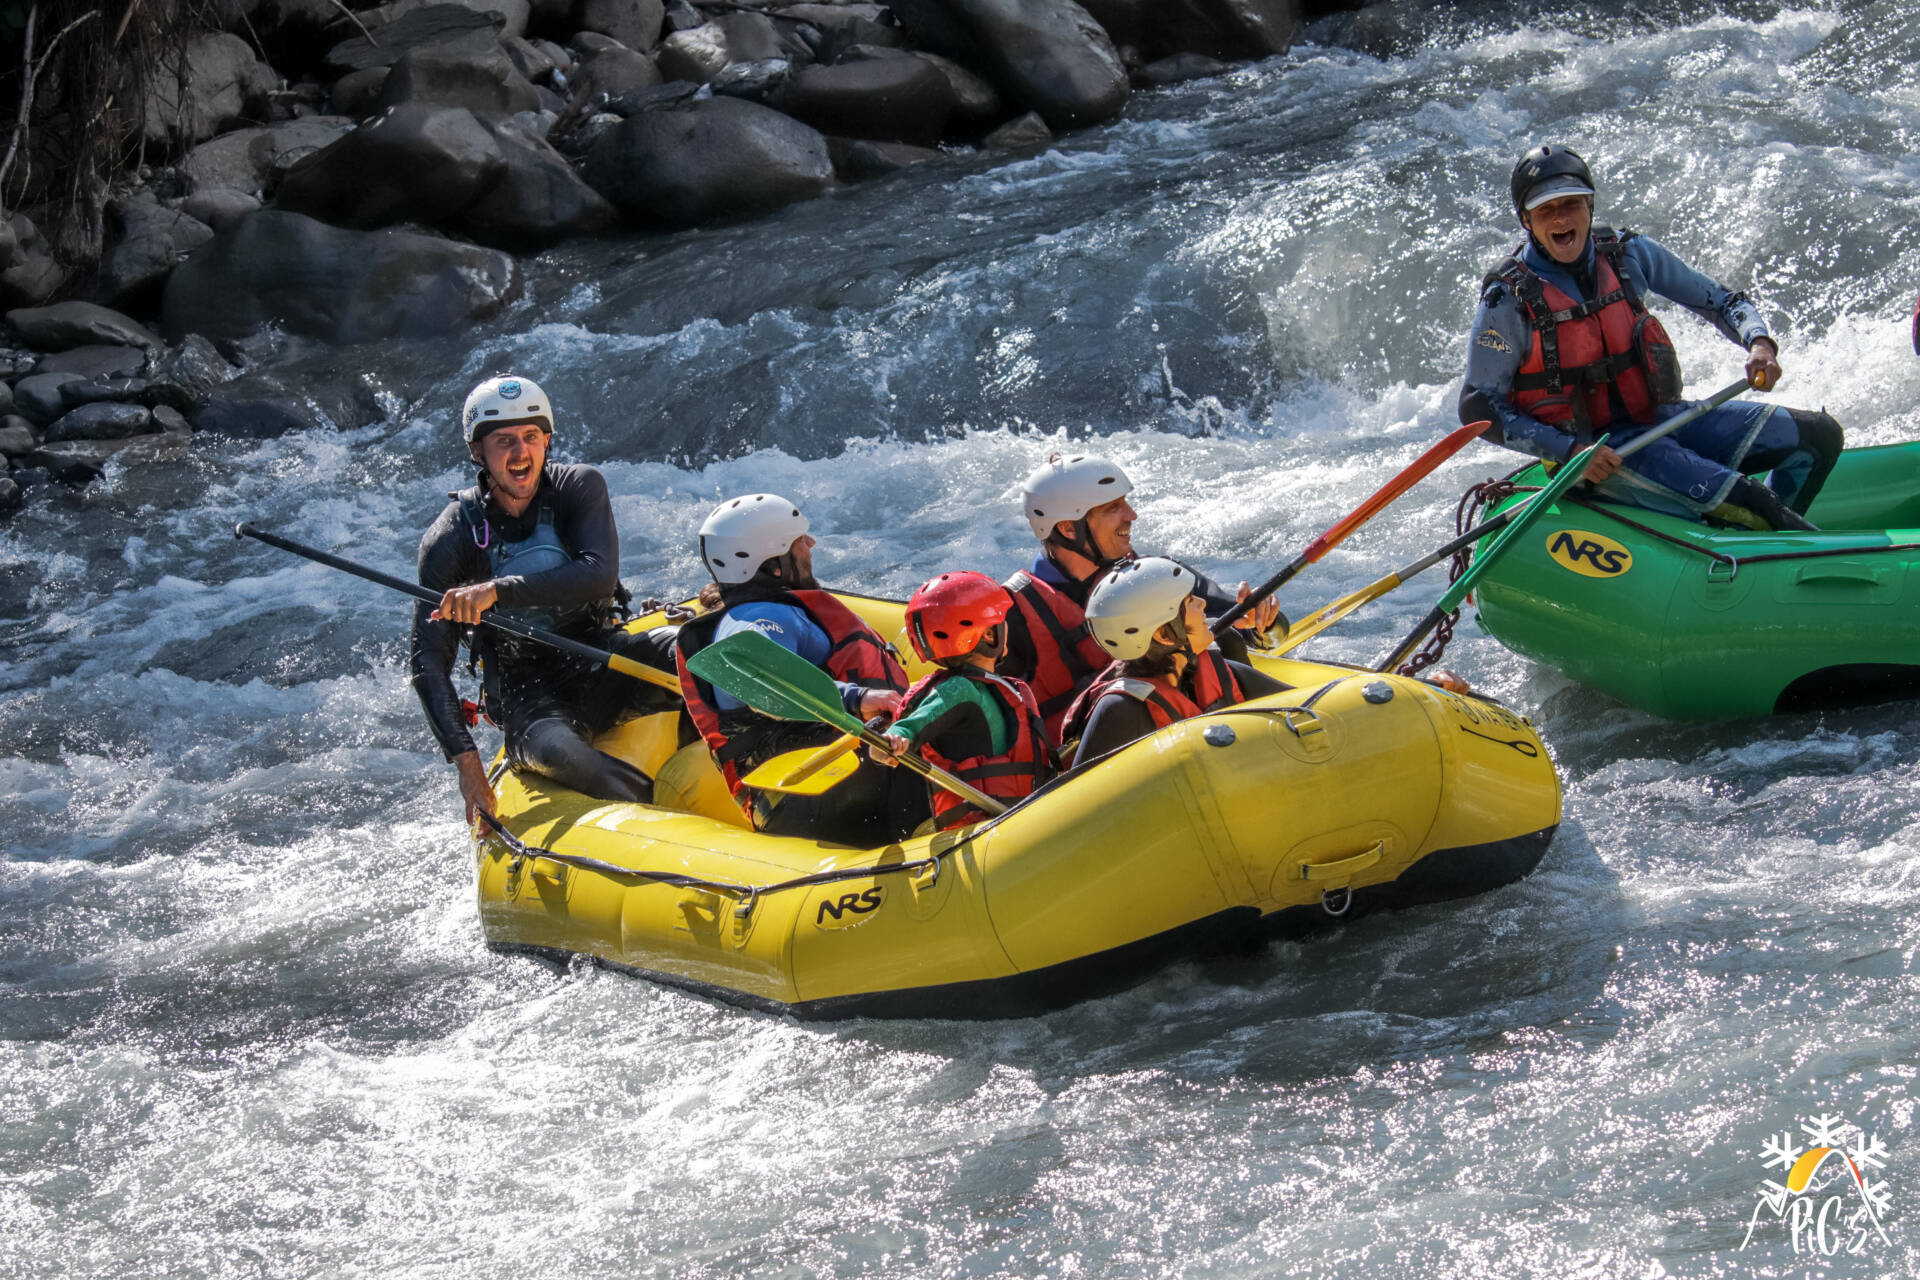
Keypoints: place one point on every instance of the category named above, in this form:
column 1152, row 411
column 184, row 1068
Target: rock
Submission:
column 6, row 399
column 186, row 375
column 1233, row 29
column 588, row 43
column 216, row 85
column 273, row 402
column 529, row 59
column 755, row 80
column 514, row 14
column 681, row 16
column 33, row 275
column 16, row 362
column 1016, row 135
column 975, row 100
column 240, row 161
column 1178, row 69
column 537, row 200
column 1047, row 55
column 104, row 391
column 292, row 34
column 844, row 25
column 634, row 23
column 889, row 100
column 73, row 324
column 82, row 461
column 10, row 496
column 97, row 361
column 857, row 159
column 168, row 418
column 144, row 241
column 439, row 24
column 483, row 81
column 619, row 71
column 355, row 92
column 217, row 207
column 659, row 98
column 101, row 421
column 17, row 436
column 711, row 158
column 698, row 54
column 277, row 267
column 415, row 163
column 750, row 37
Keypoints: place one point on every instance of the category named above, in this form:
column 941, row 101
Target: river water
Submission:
column 250, row 1027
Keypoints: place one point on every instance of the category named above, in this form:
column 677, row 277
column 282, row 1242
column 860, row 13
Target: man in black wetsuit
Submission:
column 539, row 540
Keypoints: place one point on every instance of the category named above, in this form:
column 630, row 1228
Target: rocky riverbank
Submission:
column 363, row 176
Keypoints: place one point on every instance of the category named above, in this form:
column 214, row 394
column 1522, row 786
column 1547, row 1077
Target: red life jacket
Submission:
column 1581, row 349
column 1214, row 686
column 1065, row 654
column 856, row 655
column 1010, row 776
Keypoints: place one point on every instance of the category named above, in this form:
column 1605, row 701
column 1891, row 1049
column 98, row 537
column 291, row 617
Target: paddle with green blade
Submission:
column 1420, row 468
column 780, row 683
column 1536, row 507
column 1325, row 616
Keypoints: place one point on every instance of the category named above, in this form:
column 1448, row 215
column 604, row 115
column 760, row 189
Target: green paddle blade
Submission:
column 1563, row 479
column 773, row 681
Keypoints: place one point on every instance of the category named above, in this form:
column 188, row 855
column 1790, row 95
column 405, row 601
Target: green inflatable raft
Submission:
column 1694, row 622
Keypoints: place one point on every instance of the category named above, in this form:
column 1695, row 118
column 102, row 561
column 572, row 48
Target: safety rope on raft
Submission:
column 748, row 894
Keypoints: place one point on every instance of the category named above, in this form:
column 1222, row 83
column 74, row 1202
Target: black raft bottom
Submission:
column 1438, row 877
column 1853, row 684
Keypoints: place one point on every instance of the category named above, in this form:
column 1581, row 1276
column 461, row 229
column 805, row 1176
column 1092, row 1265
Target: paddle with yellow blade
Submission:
column 1320, row 619
column 780, row 683
column 612, row 661
column 1535, row 507
column 811, row 771
column 1417, row 471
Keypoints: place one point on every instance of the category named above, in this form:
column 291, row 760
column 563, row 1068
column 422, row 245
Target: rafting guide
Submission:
column 1844, row 1212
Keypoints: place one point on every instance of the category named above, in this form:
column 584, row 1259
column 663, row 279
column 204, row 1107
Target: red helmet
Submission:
column 950, row 612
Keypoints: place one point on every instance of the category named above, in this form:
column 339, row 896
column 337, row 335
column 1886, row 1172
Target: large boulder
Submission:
column 886, row 99
column 634, row 23
column 76, row 324
column 619, row 70
column 277, row 267
column 439, row 24
column 1049, row 55
column 240, row 161
column 537, row 199
column 273, row 402
column 842, row 26
column 1218, row 28
column 696, row 55
column 32, row 273
column 415, row 163
column 708, row 159
column 216, row 85
column 484, row 81
column 513, row 14
column 751, row 37
column 144, row 241
column 184, row 377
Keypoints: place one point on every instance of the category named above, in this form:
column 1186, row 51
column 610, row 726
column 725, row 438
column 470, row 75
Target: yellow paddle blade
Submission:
column 1325, row 616
column 808, row 771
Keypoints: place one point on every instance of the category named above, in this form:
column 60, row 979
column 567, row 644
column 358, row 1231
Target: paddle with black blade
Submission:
column 612, row 661
column 1568, row 476
column 1420, row 468
column 780, row 683
column 1320, row 619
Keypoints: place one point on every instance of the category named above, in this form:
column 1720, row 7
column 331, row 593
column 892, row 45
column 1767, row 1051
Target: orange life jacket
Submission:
column 1010, row 776
column 856, row 655
column 1581, row 349
column 1065, row 656
column 1214, row 686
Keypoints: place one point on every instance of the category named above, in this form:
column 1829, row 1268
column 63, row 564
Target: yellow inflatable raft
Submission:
column 1350, row 793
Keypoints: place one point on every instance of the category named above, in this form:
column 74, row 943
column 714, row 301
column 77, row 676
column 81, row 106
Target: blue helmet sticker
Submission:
column 510, row 390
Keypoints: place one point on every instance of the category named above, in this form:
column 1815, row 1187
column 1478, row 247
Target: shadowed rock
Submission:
column 218, row 83
column 1048, row 55
column 619, row 71
column 1178, row 69
column 415, row 163
column 32, row 273
column 887, row 99
column 440, row 24
column 276, row 267
column 857, row 159
column 144, row 241
column 537, row 200
column 708, row 159
column 103, row 420
column 74, row 324
column 484, row 81
column 1217, row 28
column 96, row 360
column 634, row 23
column 241, row 160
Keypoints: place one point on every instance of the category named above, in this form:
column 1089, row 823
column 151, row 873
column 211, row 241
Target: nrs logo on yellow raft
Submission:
column 1590, row 555
column 1843, row 1214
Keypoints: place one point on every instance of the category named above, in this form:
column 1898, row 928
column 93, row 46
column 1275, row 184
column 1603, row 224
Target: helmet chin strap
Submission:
column 1083, row 545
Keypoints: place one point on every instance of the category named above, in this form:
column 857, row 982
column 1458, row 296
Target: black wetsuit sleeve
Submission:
column 960, row 732
column 1116, row 721
column 583, row 517
column 447, row 559
column 1254, row 682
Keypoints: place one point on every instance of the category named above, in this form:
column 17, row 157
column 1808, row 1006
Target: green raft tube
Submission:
column 1694, row 622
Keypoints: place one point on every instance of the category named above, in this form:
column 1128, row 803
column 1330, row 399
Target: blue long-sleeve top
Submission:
column 791, row 628
column 1501, row 338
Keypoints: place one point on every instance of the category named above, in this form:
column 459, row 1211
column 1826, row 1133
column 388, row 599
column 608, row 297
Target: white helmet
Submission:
column 500, row 401
column 1067, row 488
column 744, row 533
column 1134, row 600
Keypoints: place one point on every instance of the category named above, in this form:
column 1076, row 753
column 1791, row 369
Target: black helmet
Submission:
column 1547, row 173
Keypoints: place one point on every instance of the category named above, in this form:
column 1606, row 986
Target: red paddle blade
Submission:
column 1420, row 468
